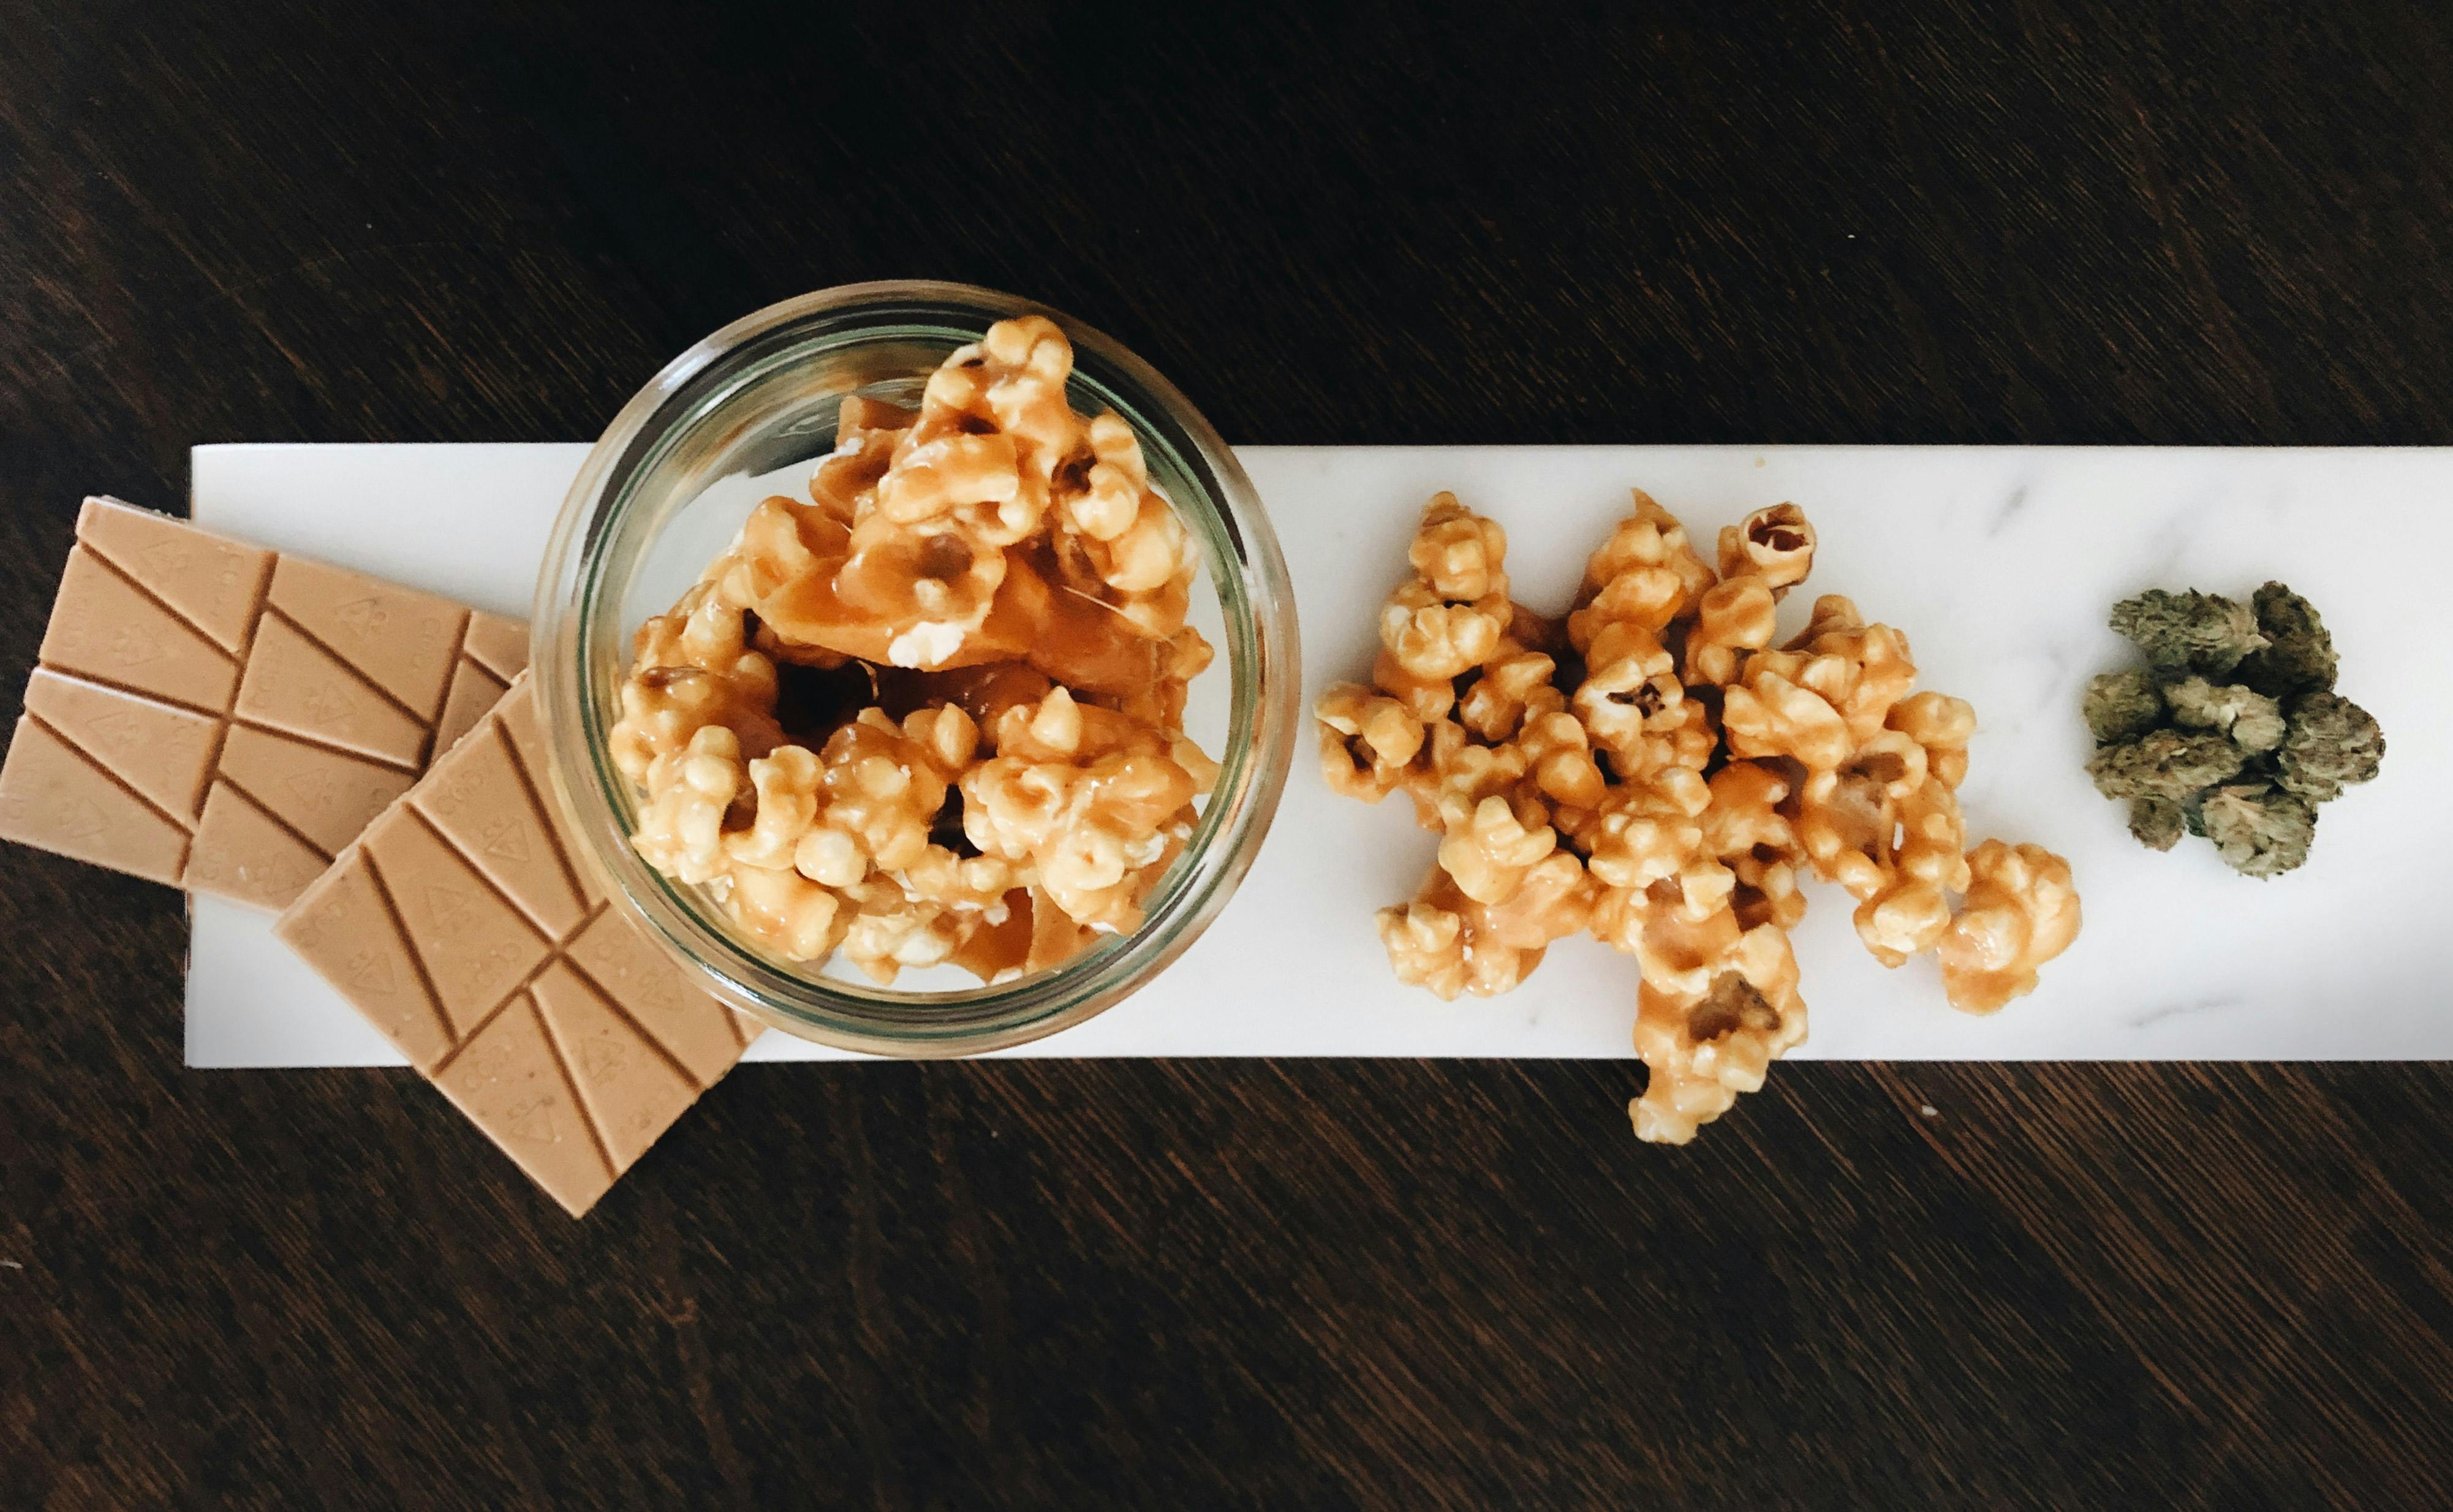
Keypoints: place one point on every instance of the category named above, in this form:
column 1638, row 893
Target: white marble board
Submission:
column 1997, row 562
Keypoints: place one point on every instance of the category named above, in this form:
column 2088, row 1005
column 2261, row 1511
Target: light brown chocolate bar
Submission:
column 459, row 924
column 224, row 718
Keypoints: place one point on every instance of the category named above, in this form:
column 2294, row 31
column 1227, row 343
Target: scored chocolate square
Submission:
column 224, row 718
column 461, row 927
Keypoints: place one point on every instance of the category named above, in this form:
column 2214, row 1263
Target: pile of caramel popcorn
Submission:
column 1653, row 770
column 933, row 715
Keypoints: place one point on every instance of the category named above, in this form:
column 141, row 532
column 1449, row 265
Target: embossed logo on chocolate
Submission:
column 134, row 646
column 365, row 617
column 484, row 1062
column 533, row 1122
column 373, row 972
column 329, row 706
column 601, row 1059
column 449, row 906
column 507, row 840
column 173, row 561
column 476, row 969
column 645, row 988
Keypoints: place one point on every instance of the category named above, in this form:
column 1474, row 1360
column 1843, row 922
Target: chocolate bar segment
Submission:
column 241, row 850
column 474, row 691
column 498, row 645
column 106, row 628
column 401, row 642
column 460, row 926
column 631, row 1087
column 224, row 718
column 81, row 809
column 511, row 1082
column 164, row 753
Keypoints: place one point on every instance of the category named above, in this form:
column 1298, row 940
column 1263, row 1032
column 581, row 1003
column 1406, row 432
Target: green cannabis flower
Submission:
column 2299, row 654
column 2259, row 829
column 2121, row 706
column 2333, row 743
column 2233, row 732
column 2253, row 720
column 2165, row 763
column 2157, row 821
column 2199, row 631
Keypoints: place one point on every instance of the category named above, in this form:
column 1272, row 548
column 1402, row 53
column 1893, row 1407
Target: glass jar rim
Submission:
column 573, row 623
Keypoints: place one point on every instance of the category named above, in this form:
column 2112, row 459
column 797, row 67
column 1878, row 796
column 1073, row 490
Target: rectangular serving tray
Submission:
column 1998, row 564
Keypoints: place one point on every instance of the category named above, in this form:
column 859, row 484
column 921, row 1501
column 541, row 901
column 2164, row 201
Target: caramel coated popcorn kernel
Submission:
column 1655, row 772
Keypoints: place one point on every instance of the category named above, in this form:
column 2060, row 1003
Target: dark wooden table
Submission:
column 1275, row 1284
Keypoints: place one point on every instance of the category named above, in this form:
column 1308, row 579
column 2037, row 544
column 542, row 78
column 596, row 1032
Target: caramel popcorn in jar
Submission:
column 1655, row 771
column 932, row 713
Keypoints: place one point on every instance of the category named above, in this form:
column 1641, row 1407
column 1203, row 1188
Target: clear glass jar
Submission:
column 662, row 494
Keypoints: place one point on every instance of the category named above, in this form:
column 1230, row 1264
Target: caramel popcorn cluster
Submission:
column 1653, row 770
column 933, row 715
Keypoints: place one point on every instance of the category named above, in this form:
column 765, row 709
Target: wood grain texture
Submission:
column 1298, row 1284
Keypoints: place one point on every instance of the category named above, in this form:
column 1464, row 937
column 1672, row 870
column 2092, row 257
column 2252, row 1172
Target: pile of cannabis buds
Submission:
column 2233, row 730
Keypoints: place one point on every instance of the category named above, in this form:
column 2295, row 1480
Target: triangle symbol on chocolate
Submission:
column 448, row 906
column 134, row 646
column 601, row 1059
column 328, row 705
column 533, row 1122
column 507, row 840
column 363, row 615
column 373, row 972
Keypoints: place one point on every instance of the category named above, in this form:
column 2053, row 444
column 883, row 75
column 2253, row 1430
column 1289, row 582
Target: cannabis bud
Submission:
column 2333, row 742
column 2123, row 705
column 2158, row 823
column 2194, row 630
column 2259, row 829
column 2174, row 764
column 2232, row 731
column 2253, row 720
column 2299, row 654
